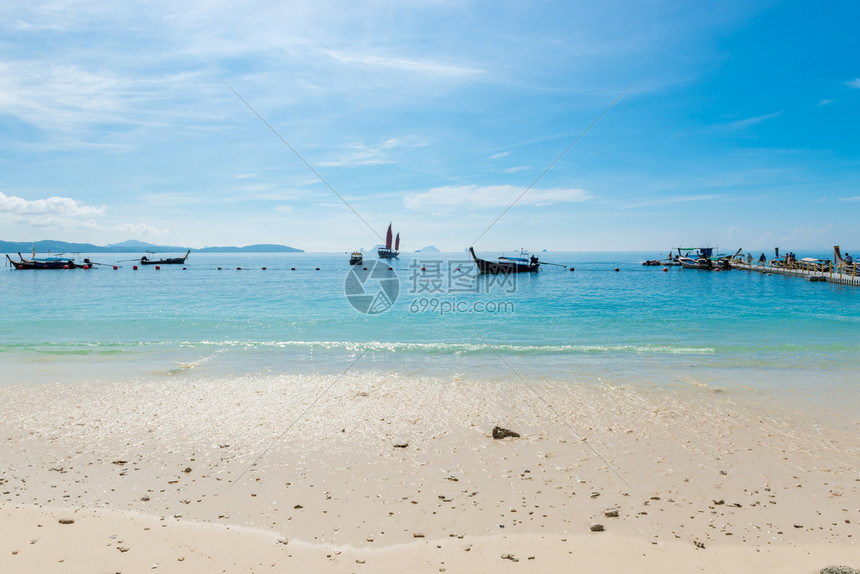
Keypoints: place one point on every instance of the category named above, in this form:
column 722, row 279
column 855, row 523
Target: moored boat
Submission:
column 506, row 264
column 356, row 258
column 52, row 262
column 701, row 259
column 166, row 261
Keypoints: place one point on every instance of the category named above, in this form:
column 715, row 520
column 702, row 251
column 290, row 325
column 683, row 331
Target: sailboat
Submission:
column 387, row 252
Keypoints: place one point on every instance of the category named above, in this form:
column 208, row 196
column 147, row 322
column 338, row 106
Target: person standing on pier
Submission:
column 762, row 259
column 848, row 259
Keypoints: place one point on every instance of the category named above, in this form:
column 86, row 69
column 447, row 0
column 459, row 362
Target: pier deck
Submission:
column 833, row 276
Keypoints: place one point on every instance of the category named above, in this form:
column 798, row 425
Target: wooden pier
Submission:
column 798, row 269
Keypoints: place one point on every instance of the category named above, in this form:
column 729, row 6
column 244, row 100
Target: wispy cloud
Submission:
column 425, row 67
column 851, row 199
column 499, row 155
column 854, row 83
column 825, row 102
column 452, row 197
column 744, row 124
column 138, row 229
column 359, row 154
column 671, row 200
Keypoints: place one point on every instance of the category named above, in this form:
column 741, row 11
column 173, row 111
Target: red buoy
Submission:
column 115, row 267
column 665, row 270
column 318, row 268
column 364, row 268
column 238, row 268
column 617, row 269
column 134, row 267
column 65, row 266
column 292, row 268
column 423, row 269
column 571, row 269
column 264, row 268
column 157, row 267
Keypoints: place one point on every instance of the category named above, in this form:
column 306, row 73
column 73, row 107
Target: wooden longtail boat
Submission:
column 48, row 263
column 506, row 265
column 168, row 261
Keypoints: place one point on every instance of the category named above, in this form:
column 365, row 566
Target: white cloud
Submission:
column 498, row 155
column 852, row 199
column 55, row 207
column 854, row 83
column 474, row 196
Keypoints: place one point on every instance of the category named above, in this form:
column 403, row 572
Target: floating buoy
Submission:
column 264, row 268
column 318, row 268
column 572, row 269
column 185, row 268
column 219, row 269
column 423, row 269
column 292, row 268
column 115, row 267
column 134, row 267
column 86, row 267
column 665, row 270
column 66, row 267
column 617, row 269
column 238, row 268
column 157, row 267
column 390, row 269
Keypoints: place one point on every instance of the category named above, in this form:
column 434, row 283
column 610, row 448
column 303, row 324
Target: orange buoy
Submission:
column 665, row 270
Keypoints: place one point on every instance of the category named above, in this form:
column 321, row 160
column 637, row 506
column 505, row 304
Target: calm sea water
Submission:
column 774, row 336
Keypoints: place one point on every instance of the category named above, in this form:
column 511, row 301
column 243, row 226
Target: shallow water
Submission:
column 774, row 337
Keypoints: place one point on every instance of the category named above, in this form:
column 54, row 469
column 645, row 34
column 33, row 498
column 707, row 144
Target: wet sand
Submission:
column 383, row 472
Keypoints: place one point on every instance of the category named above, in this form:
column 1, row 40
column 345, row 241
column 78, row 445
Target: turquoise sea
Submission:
column 765, row 337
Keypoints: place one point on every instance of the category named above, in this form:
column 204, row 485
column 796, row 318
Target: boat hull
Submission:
column 43, row 264
column 495, row 268
column 169, row 261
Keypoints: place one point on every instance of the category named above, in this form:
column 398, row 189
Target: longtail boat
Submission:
column 167, row 261
column 506, row 264
column 389, row 252
column 52, row 262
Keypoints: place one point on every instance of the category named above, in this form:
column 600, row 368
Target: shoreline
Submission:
column 369, row 462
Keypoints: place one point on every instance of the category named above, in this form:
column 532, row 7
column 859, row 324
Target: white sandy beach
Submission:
column 381, row 472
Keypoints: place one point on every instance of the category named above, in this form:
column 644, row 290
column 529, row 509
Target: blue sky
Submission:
column 740, row 128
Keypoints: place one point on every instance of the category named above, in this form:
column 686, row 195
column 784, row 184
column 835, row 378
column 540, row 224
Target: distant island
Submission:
column 48, row 245
column 428, row 249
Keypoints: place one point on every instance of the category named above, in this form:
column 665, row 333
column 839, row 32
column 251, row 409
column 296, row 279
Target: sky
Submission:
column 568, row 126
